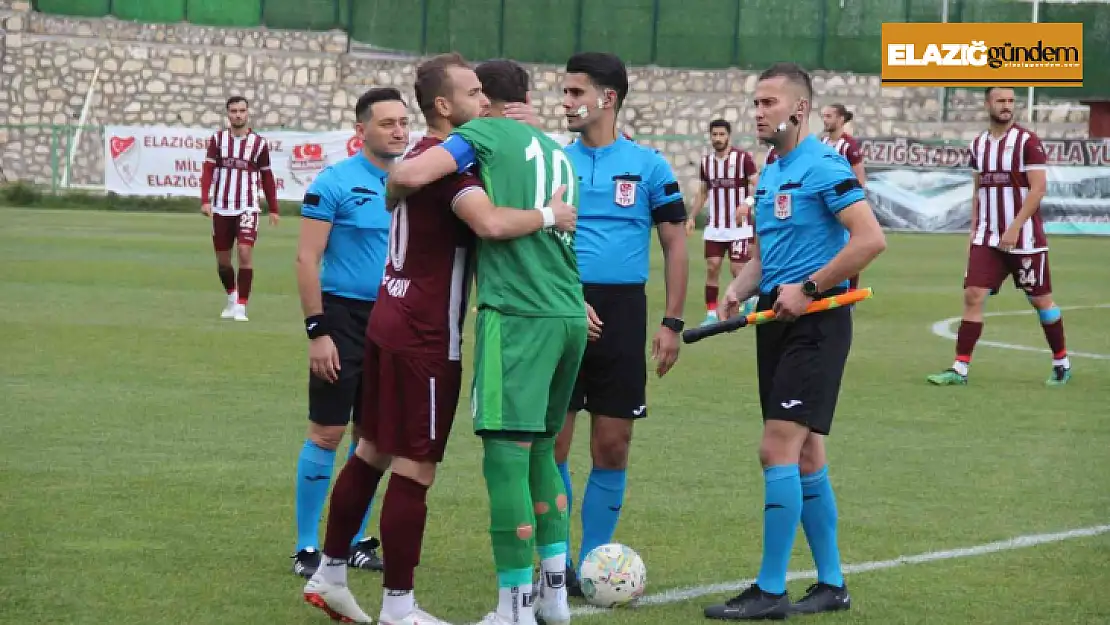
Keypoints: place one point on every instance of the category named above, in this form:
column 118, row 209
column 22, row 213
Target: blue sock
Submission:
column 564, row 471
column 601, row 508
column 782, row 509
column 366, row 519
column 819, row 523
column 313, row 480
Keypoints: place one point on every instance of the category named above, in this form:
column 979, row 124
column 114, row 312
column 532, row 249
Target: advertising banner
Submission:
column 927, row 186
column 169, row 161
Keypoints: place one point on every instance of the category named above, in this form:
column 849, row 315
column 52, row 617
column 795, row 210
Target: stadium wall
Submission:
column 180, row 75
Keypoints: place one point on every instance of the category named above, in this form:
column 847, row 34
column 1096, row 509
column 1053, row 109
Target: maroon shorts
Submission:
column 987, row 268
column 408, row 403
column 226, row 229
column 739, row 251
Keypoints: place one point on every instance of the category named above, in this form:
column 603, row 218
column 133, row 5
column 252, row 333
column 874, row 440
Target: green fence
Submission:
column 842, row 35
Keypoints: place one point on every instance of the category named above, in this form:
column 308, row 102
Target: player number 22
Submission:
column 561, row 173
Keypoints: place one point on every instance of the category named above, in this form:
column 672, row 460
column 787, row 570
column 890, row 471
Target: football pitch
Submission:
column 148, row 449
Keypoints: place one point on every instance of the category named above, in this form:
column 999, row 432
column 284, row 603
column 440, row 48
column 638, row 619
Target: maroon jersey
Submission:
column 727, row 179
column 771, row 157
column 234, row 168
column 1002, row 164
column 845, row 146
column 422, row 301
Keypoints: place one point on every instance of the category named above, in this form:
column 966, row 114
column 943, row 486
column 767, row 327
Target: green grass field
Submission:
column 147, row 448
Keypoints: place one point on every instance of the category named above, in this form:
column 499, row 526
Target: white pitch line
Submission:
column 943, row 329
column 677, row 595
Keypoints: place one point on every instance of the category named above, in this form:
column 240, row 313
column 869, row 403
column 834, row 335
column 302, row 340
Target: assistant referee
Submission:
column 814, row 229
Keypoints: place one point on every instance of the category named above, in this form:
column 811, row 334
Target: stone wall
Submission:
column 180, row 74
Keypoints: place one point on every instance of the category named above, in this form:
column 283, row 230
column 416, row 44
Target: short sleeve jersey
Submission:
column 626, row 189
column 796, row 205
column 350, row 195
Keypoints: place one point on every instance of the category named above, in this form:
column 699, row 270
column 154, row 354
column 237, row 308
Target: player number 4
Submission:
column 561, row 173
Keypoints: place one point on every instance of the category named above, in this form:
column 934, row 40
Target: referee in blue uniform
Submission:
column 340, row 261
column 626, row 190
column 814, row 230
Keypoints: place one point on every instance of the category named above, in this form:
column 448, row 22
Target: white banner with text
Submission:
column 168, row 161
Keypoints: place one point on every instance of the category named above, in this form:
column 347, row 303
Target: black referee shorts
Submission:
column 801, row 364
column 334, row 403
column 612, row 380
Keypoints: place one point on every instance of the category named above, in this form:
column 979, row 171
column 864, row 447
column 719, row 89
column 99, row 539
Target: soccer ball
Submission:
column 612, row 575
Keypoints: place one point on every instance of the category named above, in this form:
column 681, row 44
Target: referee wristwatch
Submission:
column 809, row 289
column 674, row 324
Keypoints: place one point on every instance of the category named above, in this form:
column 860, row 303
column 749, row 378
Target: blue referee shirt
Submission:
column 796, row 206
column 625, row 188
column 351, row 196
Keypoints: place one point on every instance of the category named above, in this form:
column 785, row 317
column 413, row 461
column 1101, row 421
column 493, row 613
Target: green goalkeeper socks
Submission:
column 505, row 465
column 547, row 490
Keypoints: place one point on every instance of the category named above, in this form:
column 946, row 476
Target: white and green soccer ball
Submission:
column 612, row 575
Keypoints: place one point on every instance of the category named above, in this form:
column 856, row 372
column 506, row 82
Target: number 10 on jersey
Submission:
column 561, row 173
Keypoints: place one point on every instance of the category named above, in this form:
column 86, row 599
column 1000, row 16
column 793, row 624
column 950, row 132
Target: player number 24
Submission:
column 561, row 173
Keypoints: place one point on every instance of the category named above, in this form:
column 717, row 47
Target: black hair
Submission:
column 606, row 71
column 364, row 106
column 987, row 91
column 720, row 123
column 844, row 113
column 793, row 73
column 503, row 80
column 235, row 99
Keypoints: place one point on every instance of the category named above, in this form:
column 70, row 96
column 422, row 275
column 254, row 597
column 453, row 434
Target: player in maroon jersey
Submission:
column 236, row 161
column 835, row 116
column 412, row 371
column 768, row 158
column 1007, row 235
column 726, row 176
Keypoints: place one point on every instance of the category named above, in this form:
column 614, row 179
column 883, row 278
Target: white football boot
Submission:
column 551, row 606
column 337, row 601
column 416, row 617
column 240, row 312
column 495, row 618
column 229, row 309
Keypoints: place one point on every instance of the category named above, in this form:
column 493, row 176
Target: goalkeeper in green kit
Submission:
column 531, row 332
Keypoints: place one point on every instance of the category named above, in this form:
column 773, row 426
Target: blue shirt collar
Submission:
column 621, row 139
column 804, row 146
column 370, row 166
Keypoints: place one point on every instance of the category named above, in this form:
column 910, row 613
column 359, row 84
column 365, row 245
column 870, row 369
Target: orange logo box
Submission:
column 983, row 55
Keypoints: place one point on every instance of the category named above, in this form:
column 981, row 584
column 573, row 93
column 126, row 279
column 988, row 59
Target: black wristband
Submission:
column 316, row 326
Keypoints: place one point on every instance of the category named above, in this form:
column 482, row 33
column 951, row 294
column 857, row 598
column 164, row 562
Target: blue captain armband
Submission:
column 462, row 151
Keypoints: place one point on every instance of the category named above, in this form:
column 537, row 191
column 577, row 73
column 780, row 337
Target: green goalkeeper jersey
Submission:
column 534, row 275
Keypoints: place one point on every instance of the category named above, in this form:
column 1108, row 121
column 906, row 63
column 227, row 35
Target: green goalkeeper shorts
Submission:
column 524, row 371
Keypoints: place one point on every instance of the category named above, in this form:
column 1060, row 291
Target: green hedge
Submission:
column 819, row 34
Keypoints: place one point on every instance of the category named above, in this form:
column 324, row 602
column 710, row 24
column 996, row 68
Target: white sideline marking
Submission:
column 943, row 329
column 676, row 595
